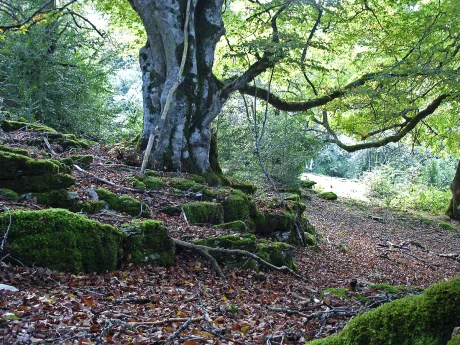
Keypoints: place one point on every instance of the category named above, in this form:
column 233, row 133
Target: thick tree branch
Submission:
column 32, row 19
column 281, row 104
column 410, row 125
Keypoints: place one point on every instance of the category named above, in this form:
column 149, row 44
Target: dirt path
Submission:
column 352, row 189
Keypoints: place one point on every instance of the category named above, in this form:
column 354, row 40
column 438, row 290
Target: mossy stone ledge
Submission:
column 126, row 204
column 62, row 240
column 204, row 213
column 236, row 226
column 427, row 319
column 327, row 195
column 10, row 126
column 148, row 242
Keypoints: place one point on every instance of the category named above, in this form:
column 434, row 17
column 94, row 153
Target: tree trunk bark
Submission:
column 183, row 137
column 454, row 208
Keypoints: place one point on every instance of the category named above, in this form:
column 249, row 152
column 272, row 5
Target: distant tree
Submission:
column 52, row 69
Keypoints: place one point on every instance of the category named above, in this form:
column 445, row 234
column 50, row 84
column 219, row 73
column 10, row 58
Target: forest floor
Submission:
column 361, row 245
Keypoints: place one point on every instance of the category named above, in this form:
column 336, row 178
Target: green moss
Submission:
column 9, row 126
column 90, row 206
column 245, row 187
column 15, row 151
column 204, row 213
column 83, row 161
column 62, row 240
column 9, row 194
column 310, row 240
column 185, row 185
column 388, row 288
column 55, row 198
column 339, row 292
column 277, row 253
column 152, row 173
column 328, row 195
column 126, row 204
column 38, row 183
column 171, row 210
column 455, row 340
column 447, row 226
column 283, row 222
column 308, row 184
column 237, row 226
column 15, row 165
column 293, row 197
column 197, row 178
column 148, row 243
column 244, row 242
column 153, row 183
column 426, row 319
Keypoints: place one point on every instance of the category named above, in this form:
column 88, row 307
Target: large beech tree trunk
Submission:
column 183, row 139
column 454, row 208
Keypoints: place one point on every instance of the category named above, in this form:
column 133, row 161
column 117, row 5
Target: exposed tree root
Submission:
column 205, row 251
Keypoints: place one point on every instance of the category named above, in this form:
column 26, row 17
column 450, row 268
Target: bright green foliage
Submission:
column 55, row 72
column 285, row 147
column 9, row 194
column 125, row 204
column 455, row 340
column 204, row 213
column 426, row 319
column 148, row 242
column 61, row 240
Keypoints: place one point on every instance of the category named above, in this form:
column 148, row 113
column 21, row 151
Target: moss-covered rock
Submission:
column 237, row 226
column 269, row 222
column 328, row 195
column 204, row 213
column 42, row 183
column 9, row 194
column 83, row 161
column 308, row 184
column 277, row 253
column 12, row 150
column 60, row 198
column 184, row 184
column 89, row 206
column 146, row 182
column 148, row 243
column 15, row 165
column 10, row 126
column 172, row 210
column 126, row 204
column 244, row 242
column 424, row 319
column 62, row 240
column 310, row 239
column 245, row 187
column 293, row 197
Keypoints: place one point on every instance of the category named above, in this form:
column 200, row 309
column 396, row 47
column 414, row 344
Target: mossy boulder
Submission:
column 276, row 253
column 146, row 182
column 268, row 223
column 310, row 239
column 237, row 226
column 428, row 319
column 62, row 240
column 126, row 204
column 42, row 183
column 292, row 197
column 204, row 213
column 89, row 206
column 16, row 165
column 455, row 340
column 60, row 198
column 245, row 187
column 148, row 242
column 308, row 184
column 13, row 150
column 328, row 195
column 237, row 205
column 184, row 184
column 83, row 161
column 9, row 194
column 10, row 126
